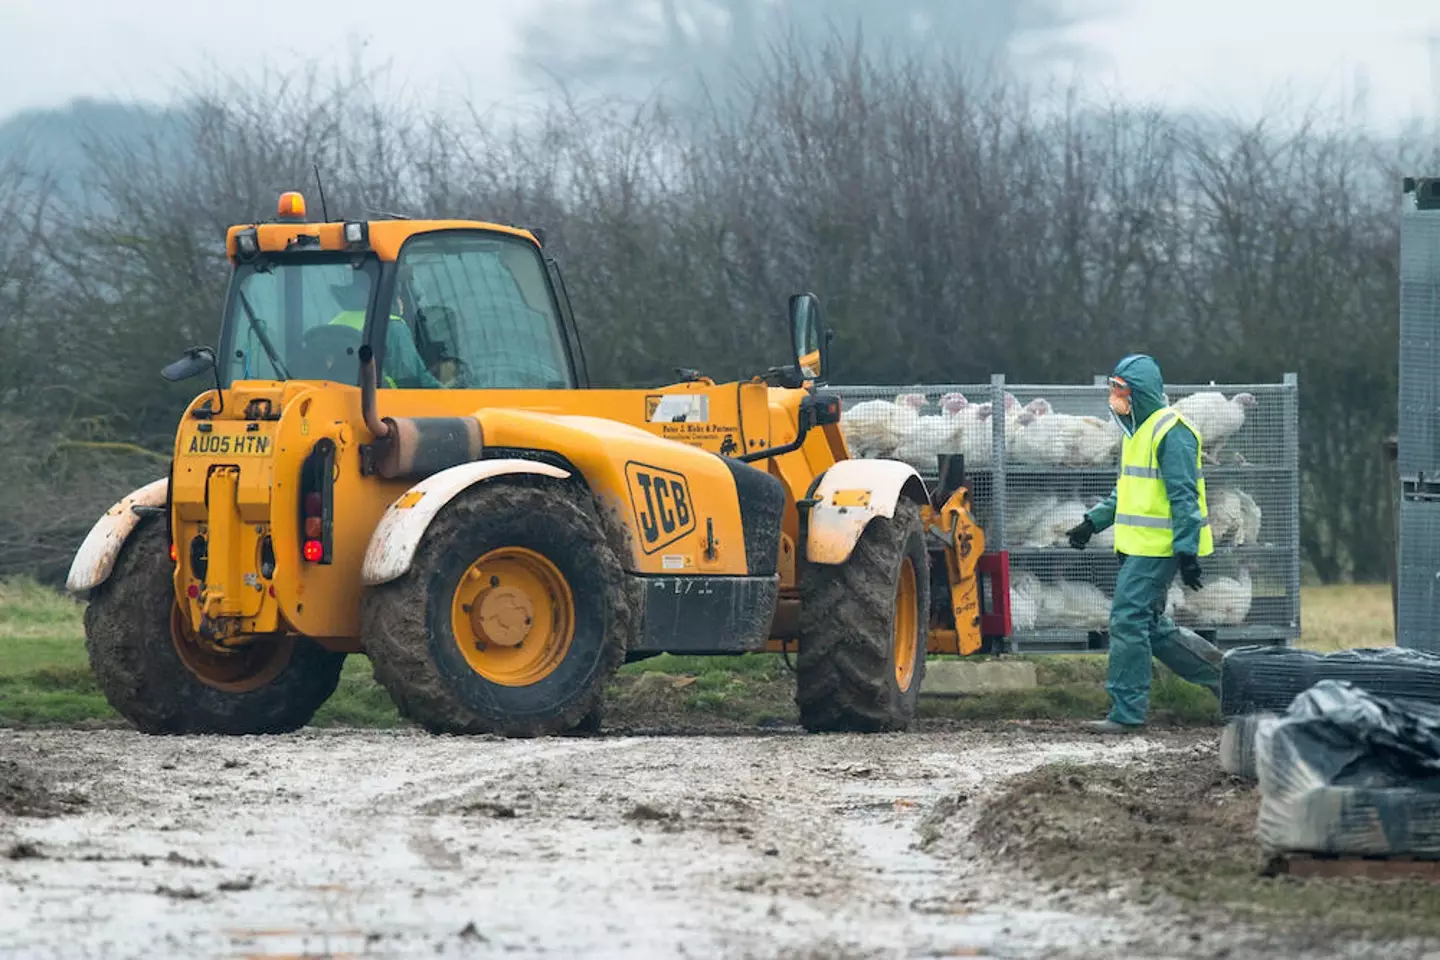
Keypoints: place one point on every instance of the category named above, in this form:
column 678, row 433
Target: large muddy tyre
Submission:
column 163, row 680
column 864, row 627
column 511, row 620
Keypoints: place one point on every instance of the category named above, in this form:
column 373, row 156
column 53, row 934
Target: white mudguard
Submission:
column 850, row 495
column 96, row 556
column 397, row 536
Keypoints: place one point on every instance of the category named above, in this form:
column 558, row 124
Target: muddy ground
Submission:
column 1010, row 841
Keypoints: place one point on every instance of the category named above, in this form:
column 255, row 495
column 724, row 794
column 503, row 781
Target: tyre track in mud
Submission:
column 399, row 844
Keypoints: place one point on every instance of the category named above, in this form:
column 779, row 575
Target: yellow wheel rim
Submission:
column 906, row 625
column 513, row 617
column 237, row 669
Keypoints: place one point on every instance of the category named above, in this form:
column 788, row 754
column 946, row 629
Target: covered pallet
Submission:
column 1039, row 455
column 1347, row 773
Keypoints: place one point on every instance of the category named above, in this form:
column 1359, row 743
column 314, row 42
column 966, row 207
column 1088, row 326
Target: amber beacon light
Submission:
column 292, row 205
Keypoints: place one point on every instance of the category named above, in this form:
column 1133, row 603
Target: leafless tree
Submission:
column 953, row 225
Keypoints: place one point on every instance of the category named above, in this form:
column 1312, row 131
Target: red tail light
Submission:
column 317, row 503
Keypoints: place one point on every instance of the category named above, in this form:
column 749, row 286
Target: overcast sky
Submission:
column 1234, row 55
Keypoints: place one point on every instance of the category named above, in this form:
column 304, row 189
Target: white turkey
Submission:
column 1234, row 518
column 1097, row 442
column 1048, row 599
column 970, row 418
column 977, row 436
column 1013, row 410
column 935, row 434
column 1073, row 604
column 1216, row 418
column 1222, row 601
column 1049, row 529
column 1024, row 608
column 1040, row 435
column 875, row 428
column 1063, row 439
column 1086, row 606
column 1023, row 516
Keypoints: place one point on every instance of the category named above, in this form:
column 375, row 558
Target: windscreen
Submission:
column 297, row 319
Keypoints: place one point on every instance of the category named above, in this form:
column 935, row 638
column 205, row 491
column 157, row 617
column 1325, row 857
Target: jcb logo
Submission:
column 661, row 501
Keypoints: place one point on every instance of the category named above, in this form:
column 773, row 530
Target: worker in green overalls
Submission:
column 403, row 365
column 1161, row 526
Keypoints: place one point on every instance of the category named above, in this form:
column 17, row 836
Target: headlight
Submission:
column 357, row 233
column 248, row 243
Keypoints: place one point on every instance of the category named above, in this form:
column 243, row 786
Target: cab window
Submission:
column 481, row 314
column 297, row 318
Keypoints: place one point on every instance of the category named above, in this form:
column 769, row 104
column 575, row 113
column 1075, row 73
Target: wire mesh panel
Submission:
column 1249, row 435
column 1058, row 456
column 1061, row 590
column 1061, row 453
column 1419, row 577
column 918, row 424
column 1240, row 425
column 1419, row 340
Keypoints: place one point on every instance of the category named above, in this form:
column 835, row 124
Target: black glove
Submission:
column 1081, row 534
column 1189, row 570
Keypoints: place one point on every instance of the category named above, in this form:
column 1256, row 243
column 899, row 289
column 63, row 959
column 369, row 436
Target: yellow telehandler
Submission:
column 401, row 457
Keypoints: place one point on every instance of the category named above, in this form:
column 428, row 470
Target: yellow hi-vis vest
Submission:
column 355, row 320
column 1142, row 509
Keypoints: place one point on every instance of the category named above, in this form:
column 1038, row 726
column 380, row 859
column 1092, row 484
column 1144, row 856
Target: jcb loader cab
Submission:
column 400, row 456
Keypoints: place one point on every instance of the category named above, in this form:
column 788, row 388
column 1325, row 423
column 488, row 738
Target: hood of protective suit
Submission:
column 1147, row 388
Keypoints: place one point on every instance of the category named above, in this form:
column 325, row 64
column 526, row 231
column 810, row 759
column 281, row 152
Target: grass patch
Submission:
column 1346, row 616
column 702, row 693
column 358, row 701
column 755, row 666
column 1076, row 691
column 39, row 628
column 45, row 675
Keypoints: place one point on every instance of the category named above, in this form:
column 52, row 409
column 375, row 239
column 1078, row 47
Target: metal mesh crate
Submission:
column 1419, row 451
column 1419, row 575
column 1417, row 589
column 1054, row 454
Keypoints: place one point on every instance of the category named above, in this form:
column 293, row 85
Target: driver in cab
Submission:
column 403, row 366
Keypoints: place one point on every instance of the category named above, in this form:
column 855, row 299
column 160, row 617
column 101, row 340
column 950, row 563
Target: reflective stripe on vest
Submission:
column 1142, row 508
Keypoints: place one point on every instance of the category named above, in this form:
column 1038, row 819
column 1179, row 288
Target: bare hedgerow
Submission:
column 954, row 222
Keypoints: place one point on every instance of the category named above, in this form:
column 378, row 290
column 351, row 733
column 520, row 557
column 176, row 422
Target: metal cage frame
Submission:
column 1269, row 475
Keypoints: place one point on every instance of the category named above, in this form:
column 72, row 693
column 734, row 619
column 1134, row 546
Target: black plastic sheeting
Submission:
column 1256, row 679
column 1237, row 743
column 1347, row 772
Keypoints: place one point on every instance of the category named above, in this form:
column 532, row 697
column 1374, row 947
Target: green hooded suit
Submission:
column 1139, row 627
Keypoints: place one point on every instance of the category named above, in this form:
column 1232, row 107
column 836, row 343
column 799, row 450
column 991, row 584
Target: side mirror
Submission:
column 807, row 336
column 195, row 362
